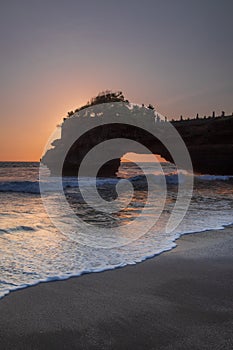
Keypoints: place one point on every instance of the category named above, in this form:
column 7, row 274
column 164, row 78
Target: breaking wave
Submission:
column 34, row 188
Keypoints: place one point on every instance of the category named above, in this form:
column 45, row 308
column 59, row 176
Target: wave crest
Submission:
column 34, row 188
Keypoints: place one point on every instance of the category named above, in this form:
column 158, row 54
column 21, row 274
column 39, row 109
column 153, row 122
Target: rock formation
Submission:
column 209, row 141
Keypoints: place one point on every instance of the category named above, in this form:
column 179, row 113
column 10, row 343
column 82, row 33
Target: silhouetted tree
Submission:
column 69, row 114
column 104, row 97
column 150, row 107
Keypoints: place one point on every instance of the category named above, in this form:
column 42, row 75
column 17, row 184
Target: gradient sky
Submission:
column 56, row 54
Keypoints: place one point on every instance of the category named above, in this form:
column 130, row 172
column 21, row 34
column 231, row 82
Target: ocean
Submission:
column 33, row 249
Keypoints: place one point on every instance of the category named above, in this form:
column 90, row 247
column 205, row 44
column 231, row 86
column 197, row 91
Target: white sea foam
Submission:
column 32, row 250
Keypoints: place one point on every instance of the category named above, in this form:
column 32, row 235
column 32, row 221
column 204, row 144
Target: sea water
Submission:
column 33, row 250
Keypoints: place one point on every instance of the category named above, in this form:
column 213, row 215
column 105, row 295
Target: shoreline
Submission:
column 65, row 278
column 138, row 306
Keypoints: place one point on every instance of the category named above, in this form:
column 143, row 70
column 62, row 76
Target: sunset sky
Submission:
column 57, row 54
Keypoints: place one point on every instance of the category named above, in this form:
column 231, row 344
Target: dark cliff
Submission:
column 209, row 142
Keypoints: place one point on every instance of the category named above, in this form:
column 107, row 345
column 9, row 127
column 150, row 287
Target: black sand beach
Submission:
column 182, row 299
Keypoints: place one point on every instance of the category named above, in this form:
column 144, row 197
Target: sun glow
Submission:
column 148, row 158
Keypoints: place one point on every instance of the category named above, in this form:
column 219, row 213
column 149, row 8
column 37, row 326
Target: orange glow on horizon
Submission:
column 142, row 158
column 26, row 125
column 24, row 138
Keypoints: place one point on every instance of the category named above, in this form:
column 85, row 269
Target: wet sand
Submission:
column 182, row 299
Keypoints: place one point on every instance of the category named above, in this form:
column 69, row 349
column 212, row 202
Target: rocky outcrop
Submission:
column 209, row 142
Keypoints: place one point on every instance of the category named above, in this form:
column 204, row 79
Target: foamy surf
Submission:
column 33, row 250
